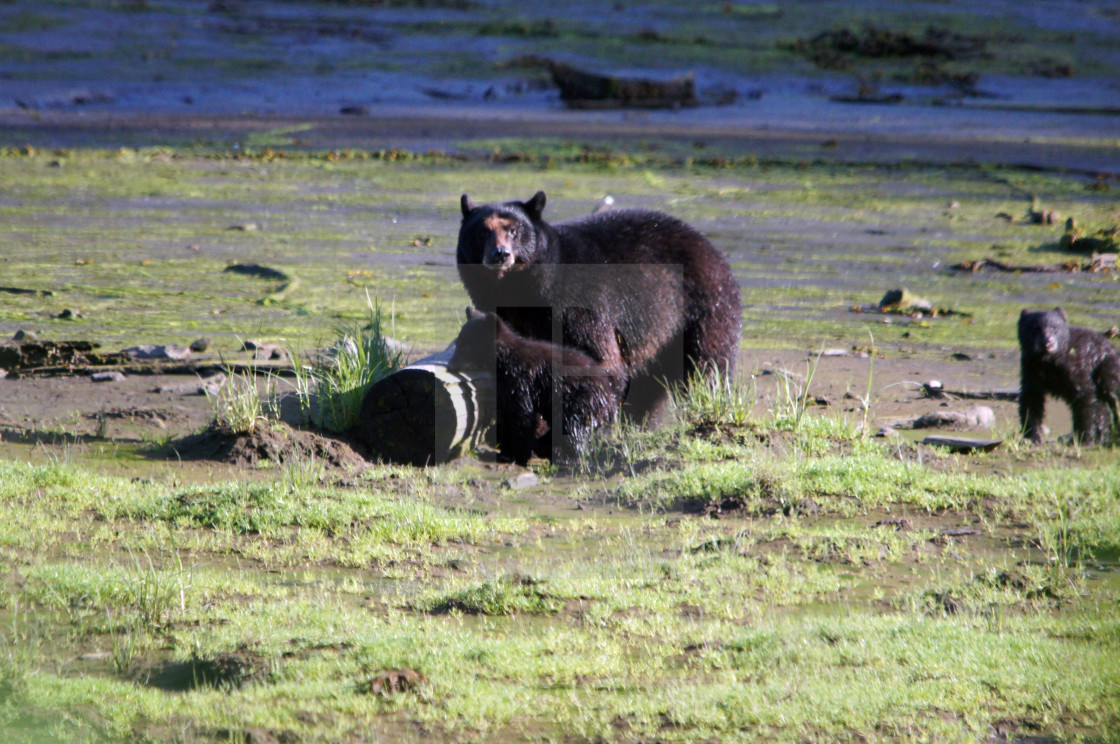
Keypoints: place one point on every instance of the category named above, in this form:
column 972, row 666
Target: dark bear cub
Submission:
column 1077, row 365
column 537, row 384
column 640, row 292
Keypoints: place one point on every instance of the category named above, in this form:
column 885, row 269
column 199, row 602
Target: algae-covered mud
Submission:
column 138, row 241
column 770, row 565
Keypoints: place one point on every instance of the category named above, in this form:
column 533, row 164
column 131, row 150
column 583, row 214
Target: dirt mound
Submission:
column 274, row 442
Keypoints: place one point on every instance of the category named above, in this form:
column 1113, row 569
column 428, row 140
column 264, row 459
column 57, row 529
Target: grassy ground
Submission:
column 741, row 575
column 849, row 590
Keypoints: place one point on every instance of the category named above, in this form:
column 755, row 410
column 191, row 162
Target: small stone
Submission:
column 393, row 682
column 268, row 352
column 528, row 479
column 22, row 335
column 109, row 376
column 245, row 227
column 903, row 299
column 200, row 344
column 95, row 656
column 69, row 313
column 152, row 351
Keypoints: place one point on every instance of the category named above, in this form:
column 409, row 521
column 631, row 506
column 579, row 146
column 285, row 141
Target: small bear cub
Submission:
column 537, row 384
column 1078, row 366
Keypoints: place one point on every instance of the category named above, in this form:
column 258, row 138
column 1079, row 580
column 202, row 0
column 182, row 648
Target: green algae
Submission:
column 137, row 239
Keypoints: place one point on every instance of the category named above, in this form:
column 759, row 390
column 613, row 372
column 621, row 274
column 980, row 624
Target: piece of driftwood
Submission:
column 582, row 89
column 1098, row 263
column 423, row 414
column 938, row 391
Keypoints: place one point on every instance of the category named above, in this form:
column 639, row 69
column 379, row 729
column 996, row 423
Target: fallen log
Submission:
column 1098, row 263
column 423, row 414
column 585, row 90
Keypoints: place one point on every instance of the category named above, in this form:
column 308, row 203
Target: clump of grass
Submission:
column 508, row 595
column 332, row 386
column 151, row 597
column 717, row 398
column 237, row 405
column 793, row 395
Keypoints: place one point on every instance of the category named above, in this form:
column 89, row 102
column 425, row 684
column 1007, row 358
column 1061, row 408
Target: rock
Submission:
column 888, row 432
column 393, row 682
column 69, row 313
column 152, row 351
column 200, row 345
column 262, row 351
column 904, row 299
column 963, row 445
column 95, row 656
column 269, row 352
column 979, row 417
column 245, row 227
column 22, row 335
column 258, row 271
column 835, row 353
column 1042, row 216
column 205, row 386
column 110, row 376
column 528, row 479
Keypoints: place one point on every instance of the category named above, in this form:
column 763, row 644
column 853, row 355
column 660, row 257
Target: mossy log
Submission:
column 423, row 414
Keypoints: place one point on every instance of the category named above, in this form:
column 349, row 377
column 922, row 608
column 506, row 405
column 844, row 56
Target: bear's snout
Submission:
column 500, row 255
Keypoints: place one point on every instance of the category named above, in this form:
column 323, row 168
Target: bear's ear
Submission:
column 535, row 206
column 472, row 314
column 1025, row 313
column 1061, row 312
column 466, row 205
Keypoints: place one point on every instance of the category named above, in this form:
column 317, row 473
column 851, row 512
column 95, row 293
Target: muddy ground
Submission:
column 152, row 415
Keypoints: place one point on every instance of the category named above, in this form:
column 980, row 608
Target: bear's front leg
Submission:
column 1032, row 407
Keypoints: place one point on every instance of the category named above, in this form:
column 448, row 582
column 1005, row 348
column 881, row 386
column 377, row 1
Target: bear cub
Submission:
column 643, row 294
column 537, row 385
column 1077, row 365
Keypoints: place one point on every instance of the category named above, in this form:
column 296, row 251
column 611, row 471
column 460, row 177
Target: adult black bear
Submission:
column 642, row 293
column 537, row 384
column 1077, row 365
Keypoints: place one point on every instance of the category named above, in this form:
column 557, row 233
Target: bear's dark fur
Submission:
column 1077, row 365
column 536, row 384
column 642, row 293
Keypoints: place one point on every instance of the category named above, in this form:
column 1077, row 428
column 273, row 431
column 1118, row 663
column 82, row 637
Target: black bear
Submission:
column 1077, row 365
column 640, row 292
column 537, row 384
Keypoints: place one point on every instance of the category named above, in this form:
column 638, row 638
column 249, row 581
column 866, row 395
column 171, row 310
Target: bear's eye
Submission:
column 513, row 231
